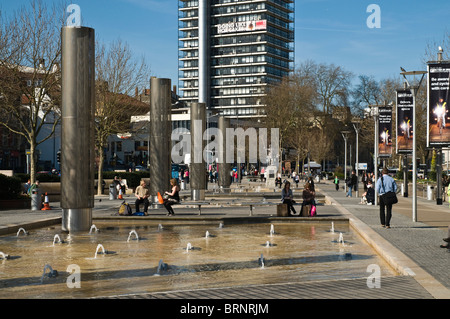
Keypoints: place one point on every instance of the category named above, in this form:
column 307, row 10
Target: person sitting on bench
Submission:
column 174, row 197
column 308, row 196
column 142, row 193
column 288, row 198
column 278, row 181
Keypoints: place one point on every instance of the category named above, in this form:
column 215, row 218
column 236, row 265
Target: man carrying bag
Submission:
column 387, row 188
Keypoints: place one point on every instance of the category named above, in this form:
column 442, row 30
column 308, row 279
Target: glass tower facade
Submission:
column 230, row 50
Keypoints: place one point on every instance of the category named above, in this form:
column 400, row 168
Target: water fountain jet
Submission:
column 261, row 261
column 93, row 227
column 52, row 273
column 272, row 230
column 3, row 255
column 23, row 230
column 59, row 240
column 341, row 239
column 100, row 246
column 161, row 267
column 132, row 232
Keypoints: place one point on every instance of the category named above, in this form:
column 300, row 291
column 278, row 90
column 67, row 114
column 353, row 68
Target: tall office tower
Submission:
column 230, row 50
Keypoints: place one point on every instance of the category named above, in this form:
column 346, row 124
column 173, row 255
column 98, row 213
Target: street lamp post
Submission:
column 375, row 148
column 345, row 136
column 414, row 86
column 357, row 127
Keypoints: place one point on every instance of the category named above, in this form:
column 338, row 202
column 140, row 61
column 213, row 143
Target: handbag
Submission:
column 313, row 210
column 390, row 198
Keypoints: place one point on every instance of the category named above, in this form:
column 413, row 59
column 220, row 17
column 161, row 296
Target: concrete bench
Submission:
column 253, row 204
column 194, row 203
column 283, row 211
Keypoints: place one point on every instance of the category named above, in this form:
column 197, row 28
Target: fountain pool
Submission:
column 296, row 252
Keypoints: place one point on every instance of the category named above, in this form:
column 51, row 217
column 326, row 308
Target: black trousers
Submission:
column 290, row 206
column 168, row 205
column 385, row 212
column 138, row 202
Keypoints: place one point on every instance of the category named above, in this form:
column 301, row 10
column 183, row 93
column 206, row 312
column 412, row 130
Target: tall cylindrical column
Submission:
column 197, row 168
column 77, row 135
column 224, row 180
column 203, row 57
column 160, row 133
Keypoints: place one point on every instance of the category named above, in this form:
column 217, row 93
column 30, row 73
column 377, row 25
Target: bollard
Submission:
column 36, row 201
column 112, row 192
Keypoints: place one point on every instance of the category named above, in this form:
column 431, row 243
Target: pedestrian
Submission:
column 142, row 193
column 448, row 194
column 287, row 197
column 296, row 180
column 173, row 197
column 33, row 187
column 365, row 180
column 311, row 183
column 26, row 186
column 384, row 185
column 336, row 182
column 351, row 182
column 123, row 185
column 447, row 239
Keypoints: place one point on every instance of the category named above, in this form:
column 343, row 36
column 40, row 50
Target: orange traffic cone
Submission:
column 46, row 203
column 120, row 194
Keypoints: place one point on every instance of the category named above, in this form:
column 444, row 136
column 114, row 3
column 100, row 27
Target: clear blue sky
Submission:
column 329, row 31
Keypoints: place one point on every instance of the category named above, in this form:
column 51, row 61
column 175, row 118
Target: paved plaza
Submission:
column 411, row 248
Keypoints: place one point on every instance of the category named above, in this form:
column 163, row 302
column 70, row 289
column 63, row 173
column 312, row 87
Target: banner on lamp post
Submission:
column 384, row 132
column 438, row 126
column 405, row 109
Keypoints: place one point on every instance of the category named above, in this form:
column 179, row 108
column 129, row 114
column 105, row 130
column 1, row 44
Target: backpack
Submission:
column 125, row 209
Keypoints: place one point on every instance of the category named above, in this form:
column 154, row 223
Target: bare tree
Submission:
column 118, row 74
column 333, row 83
column 30, row 53
column 279, row 110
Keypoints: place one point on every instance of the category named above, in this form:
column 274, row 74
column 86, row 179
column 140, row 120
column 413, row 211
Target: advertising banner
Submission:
column 384, row 131
column 405, row 109
column 438, row 112
column 241, row 26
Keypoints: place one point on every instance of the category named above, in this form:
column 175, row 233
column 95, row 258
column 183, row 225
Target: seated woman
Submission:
column 308, row 195
column 174, row 197
column 369, row 195
column 287, row 197
column 278, row 181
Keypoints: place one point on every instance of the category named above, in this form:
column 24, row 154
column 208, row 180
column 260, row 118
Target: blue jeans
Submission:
column 349, row 192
